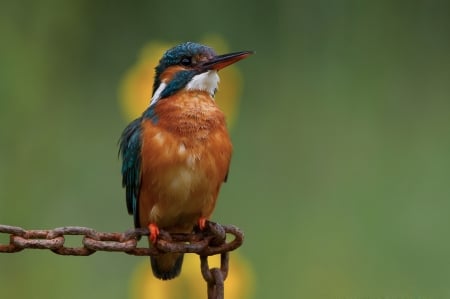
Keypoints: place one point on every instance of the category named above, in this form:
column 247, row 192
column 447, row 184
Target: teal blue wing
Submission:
column 130, row 151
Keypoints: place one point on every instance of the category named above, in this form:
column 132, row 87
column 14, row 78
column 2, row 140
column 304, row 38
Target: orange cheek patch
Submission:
column 170, row 72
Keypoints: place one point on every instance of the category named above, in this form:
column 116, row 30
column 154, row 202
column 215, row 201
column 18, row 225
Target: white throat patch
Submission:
column 207, row 81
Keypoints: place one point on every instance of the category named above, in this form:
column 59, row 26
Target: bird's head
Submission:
column 190, row 66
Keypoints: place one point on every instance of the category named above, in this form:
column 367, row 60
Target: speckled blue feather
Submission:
column 130, row 150
column 150, row 113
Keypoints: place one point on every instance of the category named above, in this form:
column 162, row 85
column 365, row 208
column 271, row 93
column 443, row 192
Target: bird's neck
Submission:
column 188, row 112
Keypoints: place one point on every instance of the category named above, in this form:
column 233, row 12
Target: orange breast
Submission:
column 186, row 153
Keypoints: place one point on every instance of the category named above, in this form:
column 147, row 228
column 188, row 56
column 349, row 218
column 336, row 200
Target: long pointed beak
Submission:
column 221, row 61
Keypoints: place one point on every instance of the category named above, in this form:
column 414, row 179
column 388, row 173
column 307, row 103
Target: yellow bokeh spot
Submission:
column 137, row 84
column 190, row 284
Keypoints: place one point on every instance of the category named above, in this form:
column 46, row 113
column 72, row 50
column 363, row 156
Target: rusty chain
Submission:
column 210, row 241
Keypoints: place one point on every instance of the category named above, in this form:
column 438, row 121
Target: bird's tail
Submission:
column 167, row 266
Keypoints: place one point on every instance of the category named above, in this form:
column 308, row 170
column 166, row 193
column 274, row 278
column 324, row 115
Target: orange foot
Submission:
column 154, row 232
column 202, row 223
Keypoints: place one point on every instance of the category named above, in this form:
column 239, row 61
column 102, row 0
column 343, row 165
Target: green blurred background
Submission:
column 340, row 176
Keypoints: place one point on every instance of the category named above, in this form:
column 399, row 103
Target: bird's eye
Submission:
column 186, row 61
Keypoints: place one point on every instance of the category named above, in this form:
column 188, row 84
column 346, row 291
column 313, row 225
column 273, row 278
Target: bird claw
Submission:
column 154, row 232
column 202, row 223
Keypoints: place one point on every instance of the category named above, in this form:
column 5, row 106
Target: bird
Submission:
column 177, row 154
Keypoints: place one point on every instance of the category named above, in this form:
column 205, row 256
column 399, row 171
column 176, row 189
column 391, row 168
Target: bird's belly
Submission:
column 183, row 193
column 181, row 180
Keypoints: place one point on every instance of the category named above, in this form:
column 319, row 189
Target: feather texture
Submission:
column 177, row 154
column 130, row 151
column 185, row 159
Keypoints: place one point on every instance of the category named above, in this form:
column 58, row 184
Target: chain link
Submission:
column 215, row 277
column 210, row 241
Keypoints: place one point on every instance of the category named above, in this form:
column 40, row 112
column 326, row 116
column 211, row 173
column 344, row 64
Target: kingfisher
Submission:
column 177, row 154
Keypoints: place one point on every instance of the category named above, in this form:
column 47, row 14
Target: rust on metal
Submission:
column 207, row 242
